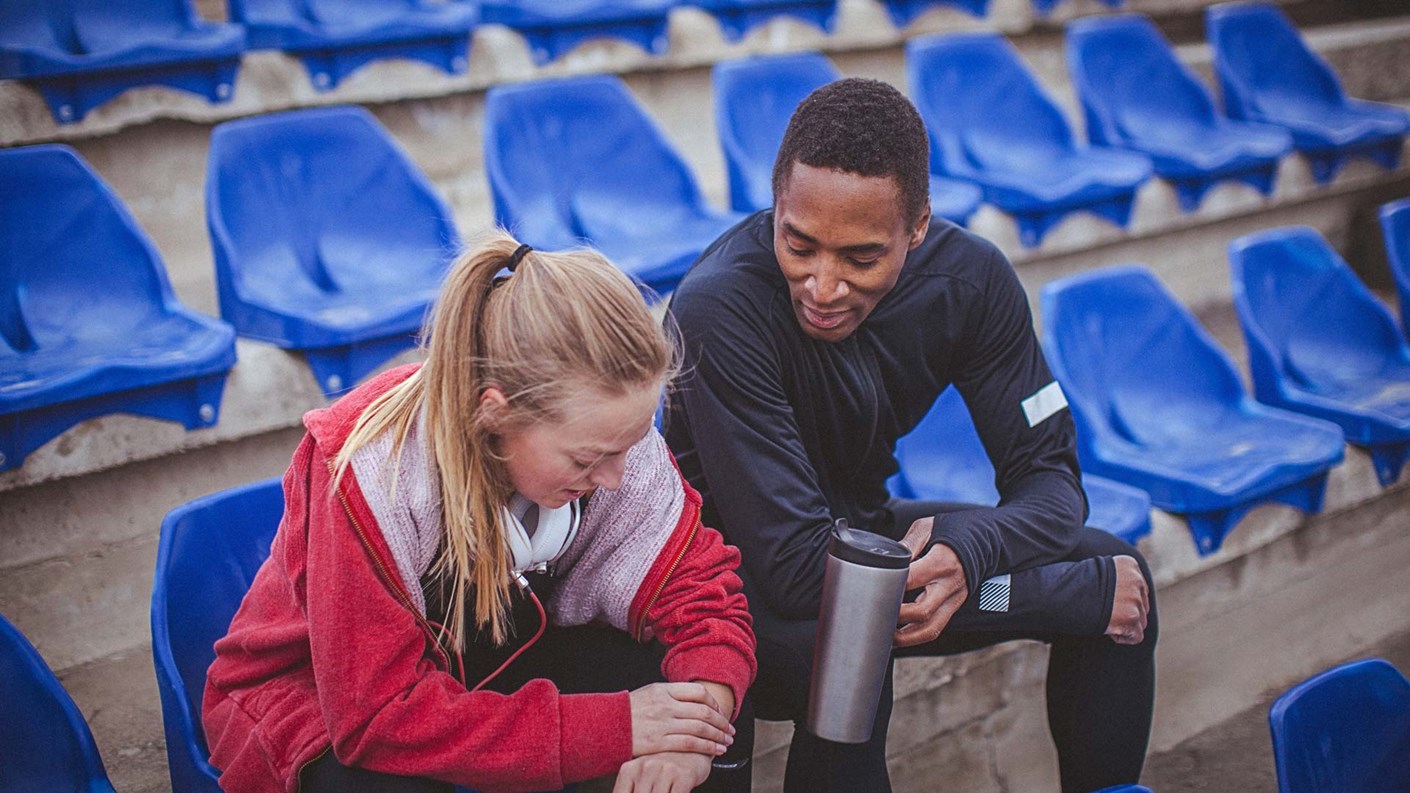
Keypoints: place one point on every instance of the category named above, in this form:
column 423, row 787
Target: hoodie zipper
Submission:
column 392, row 583
column 640, row 631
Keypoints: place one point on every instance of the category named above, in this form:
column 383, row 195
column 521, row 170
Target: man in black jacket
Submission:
column 817, row 334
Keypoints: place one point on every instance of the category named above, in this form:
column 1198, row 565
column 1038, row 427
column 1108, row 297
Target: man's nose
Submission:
column 825, row 285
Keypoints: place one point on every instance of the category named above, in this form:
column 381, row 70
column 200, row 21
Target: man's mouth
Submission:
column 824, row 321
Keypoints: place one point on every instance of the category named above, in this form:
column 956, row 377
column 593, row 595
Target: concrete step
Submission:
column 1237, row 754
column 77, row 554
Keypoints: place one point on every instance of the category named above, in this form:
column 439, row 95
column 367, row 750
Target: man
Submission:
column 818, row 333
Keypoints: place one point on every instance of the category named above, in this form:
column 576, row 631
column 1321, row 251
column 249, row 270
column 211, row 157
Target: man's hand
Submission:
column 1131, row 605
column 663, row 772
column 941, row 576
column 678, row 717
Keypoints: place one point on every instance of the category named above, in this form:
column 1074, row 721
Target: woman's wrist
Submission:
column 723, row 695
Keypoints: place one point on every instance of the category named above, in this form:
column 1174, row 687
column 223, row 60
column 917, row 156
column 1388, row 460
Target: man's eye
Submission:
column 863, row 263
column 582, row 465
column 798, row 252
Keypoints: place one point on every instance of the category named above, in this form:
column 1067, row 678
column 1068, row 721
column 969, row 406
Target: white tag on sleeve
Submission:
column 1045, row 402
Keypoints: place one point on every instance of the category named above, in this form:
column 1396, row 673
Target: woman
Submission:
column 402, row 635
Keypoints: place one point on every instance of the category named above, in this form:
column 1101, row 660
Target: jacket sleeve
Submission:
column 1028, row 433
column 700, row 613
column 387, row 705
column 748, row 448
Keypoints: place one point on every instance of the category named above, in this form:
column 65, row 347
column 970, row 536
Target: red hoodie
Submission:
column 328, row 650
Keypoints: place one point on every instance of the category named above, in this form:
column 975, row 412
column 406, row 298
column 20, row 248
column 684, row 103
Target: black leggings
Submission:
column 578, row 660
column 1100, row 694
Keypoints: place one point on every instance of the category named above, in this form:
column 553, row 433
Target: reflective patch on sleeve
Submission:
column 994, row 593
column 1048, row 400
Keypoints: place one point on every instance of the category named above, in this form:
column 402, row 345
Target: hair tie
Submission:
column 517, row 256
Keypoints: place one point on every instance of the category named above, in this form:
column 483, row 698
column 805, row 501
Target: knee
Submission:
column 1152, row 632
column 1123, row 548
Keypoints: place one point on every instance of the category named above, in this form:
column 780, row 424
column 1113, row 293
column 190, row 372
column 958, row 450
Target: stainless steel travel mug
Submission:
column 861, row 600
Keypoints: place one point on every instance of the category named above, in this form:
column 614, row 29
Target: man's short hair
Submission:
column 859, row 126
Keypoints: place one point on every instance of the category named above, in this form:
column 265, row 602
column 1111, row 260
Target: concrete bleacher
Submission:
column 78, row 522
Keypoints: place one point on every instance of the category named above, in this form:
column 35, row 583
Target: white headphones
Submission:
column 553, row 531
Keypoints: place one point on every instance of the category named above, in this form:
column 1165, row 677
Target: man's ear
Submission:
column 922, row 227
column 494, row 406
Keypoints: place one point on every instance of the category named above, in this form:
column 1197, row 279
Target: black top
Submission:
column 782, row 433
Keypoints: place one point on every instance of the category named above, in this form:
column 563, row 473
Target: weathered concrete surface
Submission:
column 1191, row 257
column 118, row 697
column 1237, row 754
column 77, row 554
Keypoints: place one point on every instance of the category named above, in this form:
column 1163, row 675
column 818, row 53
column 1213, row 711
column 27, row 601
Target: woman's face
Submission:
column 553, row 463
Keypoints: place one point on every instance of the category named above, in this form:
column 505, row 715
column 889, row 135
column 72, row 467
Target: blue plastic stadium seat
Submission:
column 943, row 459
column 904, row 12
column 1125, row 789
column 1321, row 344
column 1137, row 95
column 88, row 322
column 553, row 27
column 305, row 259
column 81, row 53
column 1159, row 405
column 754, row 99
column 991, row 123
column 334, row 38
column 209, row 552
column 1395, row 227
column 738, row 17
column 1268, row 74
column 45, row 745
column 578, row 160
column 1346, row 730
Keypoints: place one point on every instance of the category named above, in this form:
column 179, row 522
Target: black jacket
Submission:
column 782, row 433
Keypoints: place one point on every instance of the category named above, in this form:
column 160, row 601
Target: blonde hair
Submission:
column 559, row 322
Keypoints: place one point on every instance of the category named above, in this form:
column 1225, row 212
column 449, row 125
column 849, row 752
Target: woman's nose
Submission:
column 609, row 472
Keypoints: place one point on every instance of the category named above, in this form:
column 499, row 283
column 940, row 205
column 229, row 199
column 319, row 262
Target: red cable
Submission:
column 459, row 659
column 543, row 623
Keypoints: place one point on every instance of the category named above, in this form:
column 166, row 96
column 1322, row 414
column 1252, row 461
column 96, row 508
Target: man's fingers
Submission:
column 918, row 536
column 931, row 628
column 921, row 609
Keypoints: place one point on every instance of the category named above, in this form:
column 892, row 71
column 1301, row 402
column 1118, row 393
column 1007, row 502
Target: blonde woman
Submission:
column 489, row 572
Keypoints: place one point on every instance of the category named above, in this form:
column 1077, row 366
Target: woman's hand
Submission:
column 678, row 717
column 664, row 772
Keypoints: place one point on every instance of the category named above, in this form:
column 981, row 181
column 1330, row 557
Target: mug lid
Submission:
column 862, row 547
